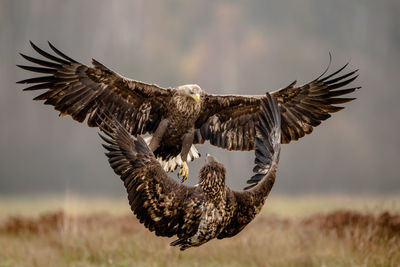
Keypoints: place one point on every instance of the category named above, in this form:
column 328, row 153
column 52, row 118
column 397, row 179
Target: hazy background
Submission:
column 243, row 47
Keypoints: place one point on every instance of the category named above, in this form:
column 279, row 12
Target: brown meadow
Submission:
column 330, row 237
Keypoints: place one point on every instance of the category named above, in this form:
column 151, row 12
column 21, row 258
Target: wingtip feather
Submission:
column 267, row 140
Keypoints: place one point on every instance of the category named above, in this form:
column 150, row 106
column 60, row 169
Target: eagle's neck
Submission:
column 185, row 106
column 212, row 182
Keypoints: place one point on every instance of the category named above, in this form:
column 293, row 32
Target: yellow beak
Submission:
column 196, row 97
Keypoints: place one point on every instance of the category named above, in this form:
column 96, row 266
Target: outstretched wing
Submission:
column 304, row 107
column 248, row 203
column 81, row 91
column 160, row 203
column 229, row 121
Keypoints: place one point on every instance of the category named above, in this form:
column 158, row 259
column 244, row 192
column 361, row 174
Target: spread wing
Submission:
column 229, row 121
column 304, row 107
column 160, row 203
column 248, row 203
column 81, row 91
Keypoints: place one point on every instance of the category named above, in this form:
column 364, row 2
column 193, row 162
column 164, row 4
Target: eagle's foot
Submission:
column 184, row 171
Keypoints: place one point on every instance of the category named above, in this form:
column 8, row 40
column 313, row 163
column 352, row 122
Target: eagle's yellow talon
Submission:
column 184, row 171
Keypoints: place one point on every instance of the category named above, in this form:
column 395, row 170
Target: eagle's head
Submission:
column 190, row 91
column 212, row 177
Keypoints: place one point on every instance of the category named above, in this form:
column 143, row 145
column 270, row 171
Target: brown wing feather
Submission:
column 248, row 203
column 228, row 121
column 81, row 91
column 160, row 203
column 304, row 107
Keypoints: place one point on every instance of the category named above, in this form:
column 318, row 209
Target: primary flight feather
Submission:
column 200, row 213
column 179, row 117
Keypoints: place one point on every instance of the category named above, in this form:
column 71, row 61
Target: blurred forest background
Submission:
column 239, row 47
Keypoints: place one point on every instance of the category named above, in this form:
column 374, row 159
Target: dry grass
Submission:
column 95, row 238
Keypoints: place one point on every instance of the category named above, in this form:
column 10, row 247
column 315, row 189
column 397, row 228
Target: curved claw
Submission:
column 184, row 171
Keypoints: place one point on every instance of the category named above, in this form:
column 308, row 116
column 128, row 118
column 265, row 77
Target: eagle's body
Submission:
column 214, row 216
column 178, row 117
column 181, row 116
column 200, row 213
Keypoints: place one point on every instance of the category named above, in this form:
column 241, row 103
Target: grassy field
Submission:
column 290, row 231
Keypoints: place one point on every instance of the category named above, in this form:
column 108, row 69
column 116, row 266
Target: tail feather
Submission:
column 177, row 242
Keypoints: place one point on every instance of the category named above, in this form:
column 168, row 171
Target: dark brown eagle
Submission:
column 195, row 214
column 179, row 117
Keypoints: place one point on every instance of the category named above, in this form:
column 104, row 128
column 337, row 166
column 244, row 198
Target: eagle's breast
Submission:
column 181, row 105
column 182, row 114
column 213, row 220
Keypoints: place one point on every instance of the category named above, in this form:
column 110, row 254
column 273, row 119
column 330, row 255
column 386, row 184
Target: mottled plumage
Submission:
column 182, row 116
column 194, row 214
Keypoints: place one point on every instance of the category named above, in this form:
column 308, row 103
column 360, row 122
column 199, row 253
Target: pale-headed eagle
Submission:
column 195, row 214
column 179, row 117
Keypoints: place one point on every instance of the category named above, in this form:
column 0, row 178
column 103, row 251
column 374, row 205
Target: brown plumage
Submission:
column 179, row 117
column 194, row 214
